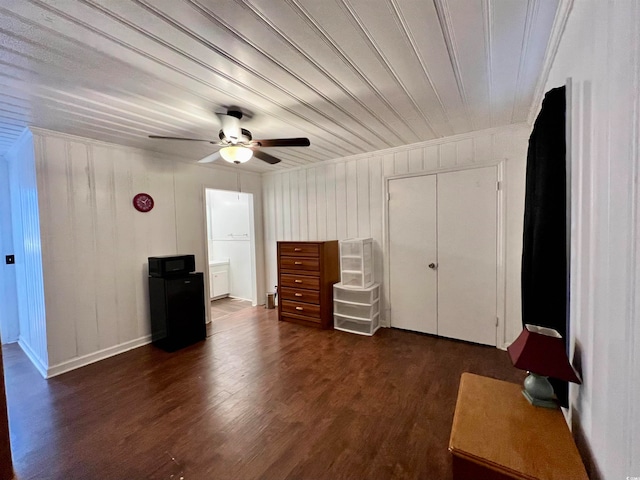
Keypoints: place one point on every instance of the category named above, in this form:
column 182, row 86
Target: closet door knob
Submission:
column 432, row 266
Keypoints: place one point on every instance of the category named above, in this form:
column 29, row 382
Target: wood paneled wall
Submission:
column 95, row 244
column 600, row 53
column 9, row 327
column 345, row 199
column 25, row 215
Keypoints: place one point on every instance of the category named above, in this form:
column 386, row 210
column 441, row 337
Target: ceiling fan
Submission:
column 237, row 144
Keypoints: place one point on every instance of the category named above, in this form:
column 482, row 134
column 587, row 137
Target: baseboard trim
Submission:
column 33, row 357
column 84, row 360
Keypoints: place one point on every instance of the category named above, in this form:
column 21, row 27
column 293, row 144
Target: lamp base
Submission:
column 538, row 391
column 539, row 403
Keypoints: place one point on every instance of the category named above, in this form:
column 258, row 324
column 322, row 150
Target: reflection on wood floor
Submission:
column 223, row 308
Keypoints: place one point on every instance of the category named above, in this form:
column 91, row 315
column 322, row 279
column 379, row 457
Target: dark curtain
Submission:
column 544, row 262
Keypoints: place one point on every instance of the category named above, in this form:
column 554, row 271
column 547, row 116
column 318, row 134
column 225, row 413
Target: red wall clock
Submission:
column 143, row 202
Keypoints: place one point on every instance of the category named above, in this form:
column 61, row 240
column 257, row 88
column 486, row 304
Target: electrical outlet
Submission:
column 11, row 259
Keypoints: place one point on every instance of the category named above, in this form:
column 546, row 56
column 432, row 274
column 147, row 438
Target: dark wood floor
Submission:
column 226, row 306
column 257, row 399
column 227, row 309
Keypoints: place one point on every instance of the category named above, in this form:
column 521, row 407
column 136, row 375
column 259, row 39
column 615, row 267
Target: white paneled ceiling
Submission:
column 352, row 75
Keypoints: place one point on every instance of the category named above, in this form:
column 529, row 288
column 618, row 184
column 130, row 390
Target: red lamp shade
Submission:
column 541, row 350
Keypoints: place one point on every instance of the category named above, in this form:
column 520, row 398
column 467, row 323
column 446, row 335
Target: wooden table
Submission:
column 498, row 434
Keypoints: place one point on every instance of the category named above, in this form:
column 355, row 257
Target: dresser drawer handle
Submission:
column 299, row 308
column 297, row 263
column 298, row 294
column 298, row 281
column 297, row 249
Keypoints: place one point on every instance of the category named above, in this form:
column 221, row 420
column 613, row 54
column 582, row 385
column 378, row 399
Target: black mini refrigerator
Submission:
column 177, row 310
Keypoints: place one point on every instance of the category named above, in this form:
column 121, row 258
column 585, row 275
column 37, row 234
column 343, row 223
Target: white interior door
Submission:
column 412, row 247
column 467, row 257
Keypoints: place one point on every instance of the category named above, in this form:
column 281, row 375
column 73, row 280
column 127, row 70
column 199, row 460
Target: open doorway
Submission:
column 230, row 252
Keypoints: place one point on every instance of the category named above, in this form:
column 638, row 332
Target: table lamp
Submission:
column 541, row 351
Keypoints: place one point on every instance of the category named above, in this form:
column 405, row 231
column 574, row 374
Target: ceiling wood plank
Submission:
column 354, row 76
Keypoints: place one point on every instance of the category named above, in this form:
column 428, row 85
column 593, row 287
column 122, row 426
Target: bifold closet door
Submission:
column 412, row 248
column 467, row 255
column 443, row 254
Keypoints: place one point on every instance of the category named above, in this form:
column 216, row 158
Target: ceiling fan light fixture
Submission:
column 236, row 154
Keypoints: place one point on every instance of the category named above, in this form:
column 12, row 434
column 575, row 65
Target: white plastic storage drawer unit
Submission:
column 356, row 311
column 356, row 262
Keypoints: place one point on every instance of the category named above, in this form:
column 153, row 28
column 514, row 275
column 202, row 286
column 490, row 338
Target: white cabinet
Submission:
column 218, row 279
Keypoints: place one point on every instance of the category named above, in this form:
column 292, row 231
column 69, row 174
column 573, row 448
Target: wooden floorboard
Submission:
column 259, row 399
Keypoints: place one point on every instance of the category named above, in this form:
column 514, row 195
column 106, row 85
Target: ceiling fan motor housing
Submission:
column 245, row 136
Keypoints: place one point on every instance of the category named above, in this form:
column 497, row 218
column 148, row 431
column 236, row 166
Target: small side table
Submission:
column 497, row 434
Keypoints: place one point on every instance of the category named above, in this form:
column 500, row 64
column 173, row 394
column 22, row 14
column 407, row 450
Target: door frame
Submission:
column 501, row 251
column 252, row 247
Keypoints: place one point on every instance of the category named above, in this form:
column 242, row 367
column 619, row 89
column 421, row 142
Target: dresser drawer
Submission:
column 299, row 249
column 300, row 281
column 303, row 264
column 300, row 295
column 299, row 308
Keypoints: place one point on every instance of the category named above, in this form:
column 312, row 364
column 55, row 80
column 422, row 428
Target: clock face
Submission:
column 143, row 202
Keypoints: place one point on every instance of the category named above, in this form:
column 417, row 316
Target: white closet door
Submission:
column 467, row 258
column 412, row 247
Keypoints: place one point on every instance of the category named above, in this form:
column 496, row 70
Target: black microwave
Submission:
column 171, row 265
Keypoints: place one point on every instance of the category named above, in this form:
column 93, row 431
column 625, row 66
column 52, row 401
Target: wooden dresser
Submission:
column 306, row 274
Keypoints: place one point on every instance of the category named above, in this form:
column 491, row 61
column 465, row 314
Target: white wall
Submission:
column 27, row 248
column 230, row 238
column 95, row 244
column 9, row 327
column 600, row 51
column 344, row 198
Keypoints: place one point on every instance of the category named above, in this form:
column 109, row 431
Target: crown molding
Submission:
column 403, row 148
column 25, row 136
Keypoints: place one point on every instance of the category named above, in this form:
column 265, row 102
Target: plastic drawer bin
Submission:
column 361, row 327
column 352, row 263
column 356, row 247
column 356, row 262
column 356, row 279
column 366, row 296
column 356, row 310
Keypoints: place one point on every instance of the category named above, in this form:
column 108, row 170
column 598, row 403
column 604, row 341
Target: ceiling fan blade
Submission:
column 182, row 138
column 283, row 142
column 210, row 158
column 265, row 157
